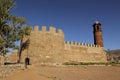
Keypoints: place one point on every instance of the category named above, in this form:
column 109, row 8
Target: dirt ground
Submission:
column 68, row 73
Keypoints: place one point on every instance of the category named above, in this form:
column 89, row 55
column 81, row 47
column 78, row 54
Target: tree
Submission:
column 12, row 28
column 4, row 29
column 23, row 45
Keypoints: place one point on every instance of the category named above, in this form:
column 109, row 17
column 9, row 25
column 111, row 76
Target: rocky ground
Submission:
column 8, row 70
column 67, row 73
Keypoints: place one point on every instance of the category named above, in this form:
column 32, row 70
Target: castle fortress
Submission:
column 49, row 47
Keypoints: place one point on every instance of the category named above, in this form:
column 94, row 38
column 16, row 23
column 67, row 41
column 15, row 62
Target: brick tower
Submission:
column 97, row 32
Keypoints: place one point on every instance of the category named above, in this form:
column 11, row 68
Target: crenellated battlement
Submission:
column 50, row 30
column 36, row 28
column 53, row 30
column 80, row 44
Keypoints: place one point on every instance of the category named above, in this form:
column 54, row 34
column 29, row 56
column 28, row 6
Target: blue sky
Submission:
column 75, row 18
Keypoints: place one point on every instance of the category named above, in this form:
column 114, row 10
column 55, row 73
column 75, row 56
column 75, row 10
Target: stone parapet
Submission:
column 80, row 44
column 51, row 30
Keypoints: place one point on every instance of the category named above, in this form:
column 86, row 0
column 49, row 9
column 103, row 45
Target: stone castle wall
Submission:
column 50, row 47
column 82, row 52
column 46, row 46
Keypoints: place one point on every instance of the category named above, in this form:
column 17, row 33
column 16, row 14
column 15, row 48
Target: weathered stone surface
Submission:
column 13, row 57
column 2, row 59
column 49, row 47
